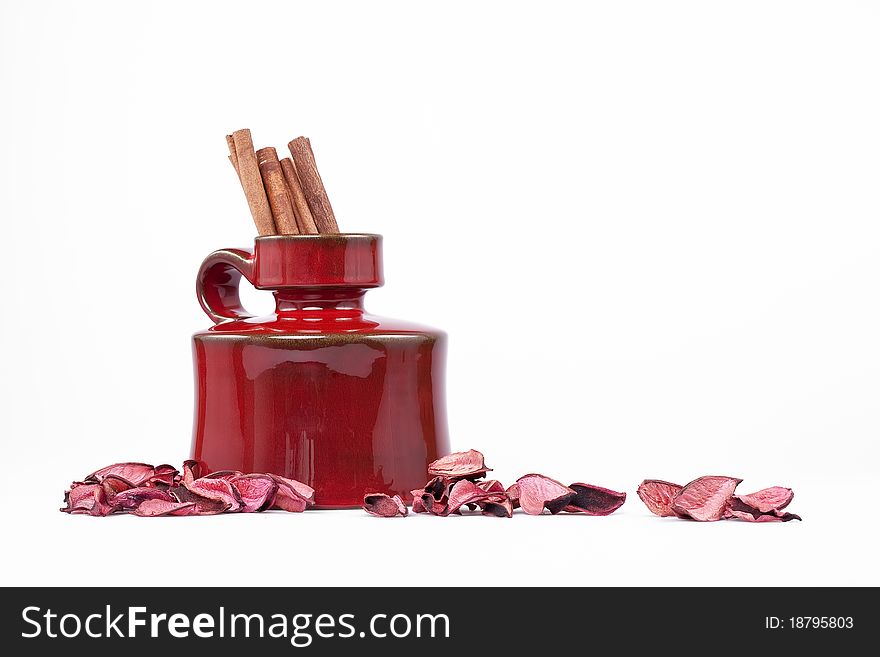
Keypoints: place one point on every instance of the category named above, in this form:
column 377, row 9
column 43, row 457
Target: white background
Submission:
column 650, row 229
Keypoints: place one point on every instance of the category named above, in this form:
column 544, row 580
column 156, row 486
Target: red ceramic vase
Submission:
column 320, row 390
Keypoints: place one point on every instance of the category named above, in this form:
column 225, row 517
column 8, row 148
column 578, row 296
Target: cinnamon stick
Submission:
column 276, row 191
column 252, row 182
column 312, row 186
column 233, row 158
column 304, row 218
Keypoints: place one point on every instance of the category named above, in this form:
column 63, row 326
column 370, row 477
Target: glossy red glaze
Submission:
column 320, row 390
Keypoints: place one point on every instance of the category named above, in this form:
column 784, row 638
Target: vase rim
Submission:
column 319, row 236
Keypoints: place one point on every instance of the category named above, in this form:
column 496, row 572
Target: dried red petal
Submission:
column 87, row 498
column 417, row 505
column 80, row 498
column 204, row 506
column 491, row 486
column 292, row 496
column 778, row 516
column 438, row 488
column 658, row 495
column 743, row 511
column 773, row 516
column 304, row 491
column 192, row 470
column 537, row 492
column 285, row 500
column 135, row 473
column 224, row 474
column 594, row 500
column 218, row 490
column 113, row 485
column 500, row 507
column 384, row 506
column 513, row 495
column 433, row 497
column 433, row 506
column 466, row 492
column 156, row 507
column 163, row 475
column 459, row 465
column 256, row 491
column 134, row 497
column 705, row 499
column 770, row 499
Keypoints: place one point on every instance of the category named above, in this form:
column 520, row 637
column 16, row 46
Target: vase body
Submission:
column 320, row 390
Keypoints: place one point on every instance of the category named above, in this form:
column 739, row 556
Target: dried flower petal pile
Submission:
column 148, row 491
column 707, row 499
column 458, row 483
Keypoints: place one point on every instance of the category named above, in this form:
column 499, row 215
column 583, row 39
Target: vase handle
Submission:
column 218, row 280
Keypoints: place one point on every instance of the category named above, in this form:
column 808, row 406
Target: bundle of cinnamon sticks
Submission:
column 286, row 197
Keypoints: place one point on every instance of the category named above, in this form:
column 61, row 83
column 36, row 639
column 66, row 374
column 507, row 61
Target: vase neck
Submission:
column 317, row 298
